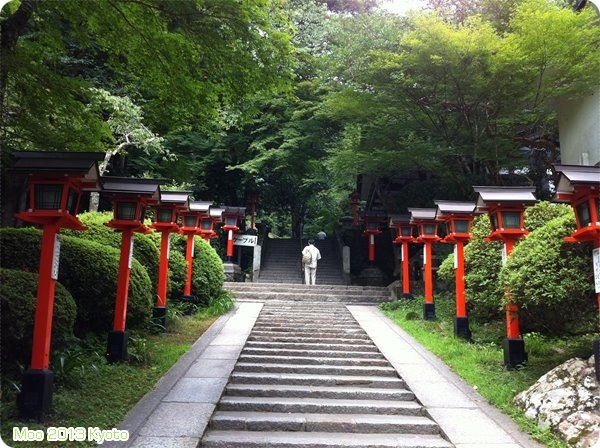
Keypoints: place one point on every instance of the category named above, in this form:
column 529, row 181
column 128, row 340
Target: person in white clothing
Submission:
column 310, row 256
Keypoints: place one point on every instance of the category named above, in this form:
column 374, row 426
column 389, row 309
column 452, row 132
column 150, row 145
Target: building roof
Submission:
column 239, row 211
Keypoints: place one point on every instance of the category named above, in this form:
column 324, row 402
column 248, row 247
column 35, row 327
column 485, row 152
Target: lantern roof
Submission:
column 200, row 206
column 454, row 208
column 83, row 165
column 571, row 175
column 239, row 211
column 398, row 220
column 216, row 212
column 129, row 185
column 174, row 197
column 422, row 214
column 487, row 196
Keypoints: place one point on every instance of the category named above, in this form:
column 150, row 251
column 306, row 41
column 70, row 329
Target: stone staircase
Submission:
column 310, row 377
column 282, row 262
column 260, row 292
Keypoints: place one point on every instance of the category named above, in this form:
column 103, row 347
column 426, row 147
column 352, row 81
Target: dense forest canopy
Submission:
column 296, row 98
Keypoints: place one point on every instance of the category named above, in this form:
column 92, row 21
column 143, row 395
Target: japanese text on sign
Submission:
column 245, row 240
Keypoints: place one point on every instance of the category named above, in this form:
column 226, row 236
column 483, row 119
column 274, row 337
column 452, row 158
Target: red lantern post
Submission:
column 372, row 222
column 165, row 222
column 458, row 217
column 404, row 236
column 131, row 198
column 190, row 226
column 427, row 225
column 232, row 217
column 56, row 181
column 505, row 207
column 580, row 186
column 208, row 223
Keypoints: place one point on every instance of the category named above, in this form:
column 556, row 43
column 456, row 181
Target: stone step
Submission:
column 332, row 392
column 317, row 380
column 301, row 288
column 321, row 340
column 318, row 405
column 316, row 353
column 288, row 439
column 312, row 360
column 347, row 333
column 310, row 297
column 313, row 346
column 284, row 327
column 352, row 423
column 318, row 370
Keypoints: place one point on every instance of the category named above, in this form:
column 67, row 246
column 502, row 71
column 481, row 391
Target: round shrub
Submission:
column 552, row 280
column 146, row 249
column 207, row 271
column 17, row 312
column 89, row 272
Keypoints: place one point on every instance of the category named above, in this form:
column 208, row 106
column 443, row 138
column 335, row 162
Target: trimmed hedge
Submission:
column 552, row 281
column 145, row 248
column 208, row 274
column 17, row 312
column 88, row 270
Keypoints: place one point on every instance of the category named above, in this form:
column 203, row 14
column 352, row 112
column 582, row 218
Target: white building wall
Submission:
column 579, row 130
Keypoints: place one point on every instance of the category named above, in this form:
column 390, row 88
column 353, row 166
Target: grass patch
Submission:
column 97, row 394
column 481, row 363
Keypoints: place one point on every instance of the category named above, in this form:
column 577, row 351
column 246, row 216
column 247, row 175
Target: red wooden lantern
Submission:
column 505, row 207
column 191, row 226
column 232, row 218
column 427, row 227
column 354, row 203
column 131, row 198
column 404, row 236
column 580, row 186
column 209, row 223
column 165, row 222
column 56, row 181
column 372, row 221
column 458, row 217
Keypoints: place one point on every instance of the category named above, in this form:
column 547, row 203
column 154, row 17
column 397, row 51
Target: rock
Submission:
column 566, row 399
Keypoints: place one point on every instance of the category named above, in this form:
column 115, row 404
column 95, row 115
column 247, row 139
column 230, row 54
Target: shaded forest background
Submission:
column 295, row 99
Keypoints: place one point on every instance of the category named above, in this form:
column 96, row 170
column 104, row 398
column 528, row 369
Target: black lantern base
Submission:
column 407, row 296
column 514, row 352
column 461, row 328
column 159, row 314
column 597, row 357
column 429, row 311
column 116, row 350
column 35, row 399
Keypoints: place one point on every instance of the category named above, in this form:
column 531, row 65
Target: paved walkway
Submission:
column 175, row 414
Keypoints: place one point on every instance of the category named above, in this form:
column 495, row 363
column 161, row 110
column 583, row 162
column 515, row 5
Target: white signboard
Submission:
column 131, row 252
column 245, row 240
column 504, row 254
column 455, row 257
column 55, row 257
column 596, row 262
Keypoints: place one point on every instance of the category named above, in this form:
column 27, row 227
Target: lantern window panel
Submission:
column 72, row 201
column 511, row 220
column 48, row 196
column 126, row 210
column 494, row 221
column 230, row 221
column 164, row 215
column 142, row 214
column 189, row 221
column 406, row 230
column 583, row 214
column 429, row 229
column 461, row 226
column 206, row 224
column 372, row 225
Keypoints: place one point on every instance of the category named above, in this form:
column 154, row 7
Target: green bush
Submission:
column 89, row 272
column 552, row 280
column 177, row 265
column 146, row 249
column 17, row 311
